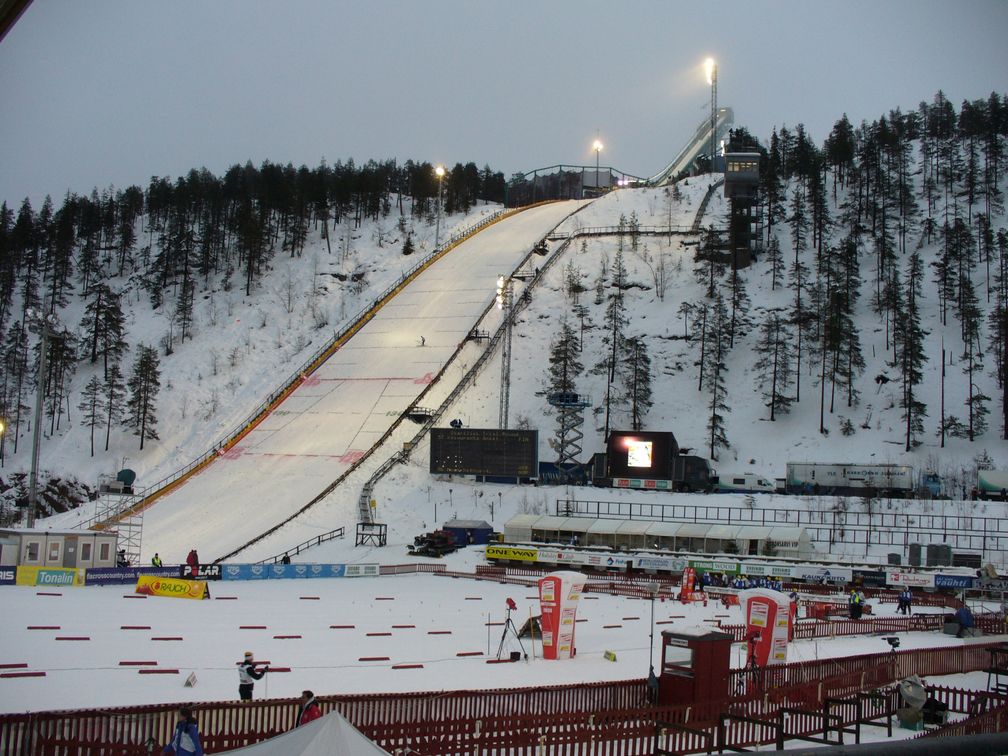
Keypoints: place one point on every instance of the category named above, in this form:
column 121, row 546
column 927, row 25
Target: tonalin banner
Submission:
column 559, row 593
column 56, row 577
column 151, row 585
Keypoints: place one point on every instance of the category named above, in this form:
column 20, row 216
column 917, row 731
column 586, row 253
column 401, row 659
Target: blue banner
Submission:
column 8, row 575
column 953, row 581
column 281, row 571
column 124, row 575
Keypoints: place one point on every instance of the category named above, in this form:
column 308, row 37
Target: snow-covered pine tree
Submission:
column 113, row 396
column 976, row 402
column 91, row 406
column 715, row 367
column 909, row 338
column 775, row 354
column 144, row 384
column 634, row 373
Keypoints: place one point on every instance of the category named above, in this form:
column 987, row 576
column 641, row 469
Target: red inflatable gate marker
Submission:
column 22, row 674
column 138, row 664
column 134, row 627
column 372, row 658
column 407, row 666
column 43, row 627
column 157, row 671
column 17, row 665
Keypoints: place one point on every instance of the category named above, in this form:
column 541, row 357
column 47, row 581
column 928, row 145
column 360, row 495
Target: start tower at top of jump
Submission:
column 581, row 181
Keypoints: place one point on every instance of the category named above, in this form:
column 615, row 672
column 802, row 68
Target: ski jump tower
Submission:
column 571, row 408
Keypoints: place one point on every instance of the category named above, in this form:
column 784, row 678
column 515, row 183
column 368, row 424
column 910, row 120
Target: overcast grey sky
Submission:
column 111, row 92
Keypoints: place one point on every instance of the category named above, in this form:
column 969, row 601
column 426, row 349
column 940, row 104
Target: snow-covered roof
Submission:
column 723, row 531
column 469, row 524
column 693, row 530
column 664, row 529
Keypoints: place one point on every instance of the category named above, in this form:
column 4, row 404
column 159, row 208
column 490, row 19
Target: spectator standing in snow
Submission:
column 193, row 561
column 247, row 675
column 155, row 560
column 185, row 739
column 309, row 708
column 965, row 619
column 286, row 559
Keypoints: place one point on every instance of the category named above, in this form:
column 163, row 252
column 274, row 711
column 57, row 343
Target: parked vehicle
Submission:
column 847, row 479
column 991, row 484
column 743, row 483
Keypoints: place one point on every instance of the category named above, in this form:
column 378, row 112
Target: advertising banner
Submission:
column 831, row 575
column 768, row 616
column 151, row 585
column 559, row 593
column 953, row 581
column 707, row 565
column 203, row 572
column 50, row 576
column 910, row 579
column 8, row 575
column 768, row 570
column 670, row 564
column 607, row 561
column 513, row 553
column 124, row 575
column 296, row 571
column 560, row 556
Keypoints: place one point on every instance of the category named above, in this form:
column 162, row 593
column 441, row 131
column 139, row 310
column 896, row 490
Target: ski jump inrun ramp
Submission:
column 342, row 409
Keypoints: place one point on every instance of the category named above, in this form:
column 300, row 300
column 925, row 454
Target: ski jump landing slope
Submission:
column 345, row 406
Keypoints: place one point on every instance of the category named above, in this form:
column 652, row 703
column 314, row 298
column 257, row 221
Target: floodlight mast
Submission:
column 710, row 66
column 439, row 172
column 598, row 147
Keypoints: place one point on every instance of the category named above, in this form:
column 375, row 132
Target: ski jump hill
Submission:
column 337, row 413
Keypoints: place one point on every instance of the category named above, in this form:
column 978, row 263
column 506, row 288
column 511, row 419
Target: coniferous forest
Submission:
column 853, row 213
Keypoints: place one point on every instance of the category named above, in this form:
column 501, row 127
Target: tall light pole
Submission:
column 439, row 171
column 505, row 302
column 710, row 65
column 652, row 682
column 597, row 146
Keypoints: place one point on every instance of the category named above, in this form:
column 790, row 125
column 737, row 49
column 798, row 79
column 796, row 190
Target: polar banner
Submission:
column 50, row 576
column 202, row 572
column 151, row 585
column 559, row 593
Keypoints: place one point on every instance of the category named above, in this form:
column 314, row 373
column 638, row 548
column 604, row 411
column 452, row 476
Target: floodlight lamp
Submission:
column 440, row 171
column 597, row 146
column 710, row 67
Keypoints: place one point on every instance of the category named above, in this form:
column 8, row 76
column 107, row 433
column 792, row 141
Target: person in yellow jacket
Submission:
column 156, row 560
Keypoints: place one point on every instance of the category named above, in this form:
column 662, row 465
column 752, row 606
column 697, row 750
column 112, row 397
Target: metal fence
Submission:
column 826, row 526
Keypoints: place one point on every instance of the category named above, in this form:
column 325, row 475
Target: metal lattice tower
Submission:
column 571, row 408
column 505, row 302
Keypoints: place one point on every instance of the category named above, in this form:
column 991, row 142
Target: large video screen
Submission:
column 641, row 454
column 484, row 451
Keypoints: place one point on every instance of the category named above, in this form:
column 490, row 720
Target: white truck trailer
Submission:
column 848, row 479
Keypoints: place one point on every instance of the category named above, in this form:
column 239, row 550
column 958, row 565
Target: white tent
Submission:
column 326, row 736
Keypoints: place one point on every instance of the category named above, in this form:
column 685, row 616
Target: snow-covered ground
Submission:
column 87, row 673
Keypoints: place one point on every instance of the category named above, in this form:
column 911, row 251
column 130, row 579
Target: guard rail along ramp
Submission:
column 695, row 147
column 402, row 417
column 136, row 503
